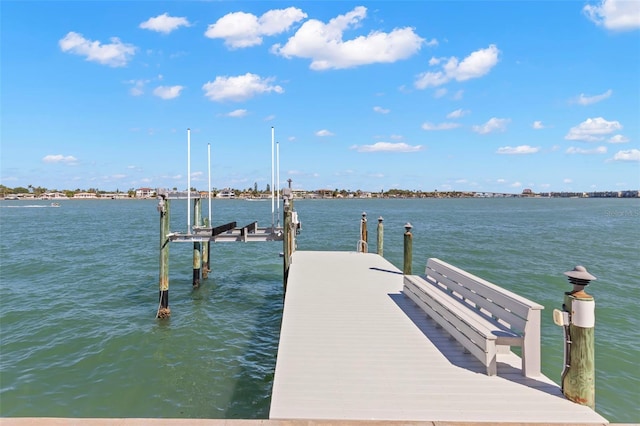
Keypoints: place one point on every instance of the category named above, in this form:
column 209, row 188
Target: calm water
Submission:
column 79, row 289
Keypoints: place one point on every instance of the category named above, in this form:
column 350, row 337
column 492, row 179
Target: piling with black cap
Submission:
column 578, row 376
column 362, row 244
column 197, row 246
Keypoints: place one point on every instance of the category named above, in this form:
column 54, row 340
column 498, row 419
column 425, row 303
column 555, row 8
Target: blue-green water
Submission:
column 79, row 293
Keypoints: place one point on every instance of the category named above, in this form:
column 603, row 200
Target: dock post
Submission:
column 287, row 239
column 380, row 235
column 205, row 254
column 163, row 303
column 362, row 244
column 578, row 375
column 197, row 254
column 408, row 249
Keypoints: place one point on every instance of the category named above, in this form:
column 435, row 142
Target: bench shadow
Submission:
column 454, row 351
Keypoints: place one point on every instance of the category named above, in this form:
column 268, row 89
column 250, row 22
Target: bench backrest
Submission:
column 489, row 299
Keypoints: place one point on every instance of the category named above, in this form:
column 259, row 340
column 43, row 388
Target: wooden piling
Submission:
column 363, row 234
column 197, row 246
column 380, row 236
column 163, row 303
column 408, row 249
column 578, row 380
column 286, row 242
column 205, row 254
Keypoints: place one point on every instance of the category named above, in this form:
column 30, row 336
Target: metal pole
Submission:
column 188, row 181
column 408, row 248
column 278, row 181
column 209, row 193
column 272, row 173
column 163, row 303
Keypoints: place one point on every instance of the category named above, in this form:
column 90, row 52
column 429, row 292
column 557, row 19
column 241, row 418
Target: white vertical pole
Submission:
column 278, row 182
column 272, row 198
column 188, row 181
column 209, row 166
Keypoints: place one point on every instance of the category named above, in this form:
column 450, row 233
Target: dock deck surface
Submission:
column 354, row 347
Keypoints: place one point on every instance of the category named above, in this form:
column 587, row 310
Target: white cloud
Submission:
column 493, row 125
column 324, row 44
column 592, row 130
column 516, row 185
column 618, row 15
column 323, row 133
column 475, row 65
column 239, row 88
column 387, row 147
column 521, row 149
column 458, row 95
column 241, row 29
column 114, row 54
column 167, row 92
column 164, row 23
column 238, row 113
column 441, row 126
column 598, row 150
column 458, row 113
column 629, row 155
column 537, row 125
column 618, row 139
column 567, row 180
column 59, row 158
column 440, row 92
column 381, row 110
column 588, row 100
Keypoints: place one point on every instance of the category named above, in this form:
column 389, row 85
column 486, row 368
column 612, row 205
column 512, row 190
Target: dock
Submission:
column 354, row 347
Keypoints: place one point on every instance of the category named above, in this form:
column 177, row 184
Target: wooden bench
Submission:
column 485, row 318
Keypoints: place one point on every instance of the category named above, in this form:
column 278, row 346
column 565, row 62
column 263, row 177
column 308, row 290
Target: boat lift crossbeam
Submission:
column 229, row 233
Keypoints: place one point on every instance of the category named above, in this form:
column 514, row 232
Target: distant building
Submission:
column 226, row 193
column 85, row 195
column 145, row 193
column 527, row 192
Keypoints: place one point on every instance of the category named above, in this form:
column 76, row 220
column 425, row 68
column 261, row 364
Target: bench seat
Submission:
column 484, row 318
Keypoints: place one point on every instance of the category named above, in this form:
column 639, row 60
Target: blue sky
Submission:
column 476, row 96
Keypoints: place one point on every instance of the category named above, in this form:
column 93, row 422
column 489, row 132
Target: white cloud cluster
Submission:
column 59, row 158
column 598, row 150
column 617, row 15
column 459, row 113
column 493, row 125
column 239, row 88
column 538, row 125
column 475, row 65
column 238, row 113
column 324, row 44
column 629, row 155
column 381, row 110
column 114, row 54
column 323, row 133
column 521, row 149
column 241, row 29
column 588, row 100
column 167, row 92
column 441, row 126
column 592, row 130
column 387, row 147
column 164, row 23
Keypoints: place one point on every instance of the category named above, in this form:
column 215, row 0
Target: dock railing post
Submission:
column 205, row 254
column 380, row 236
column 197, row 255
column 287, row 239
column 408, row 249
column 362, row 244
column 578, row 321
column 163, row 303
